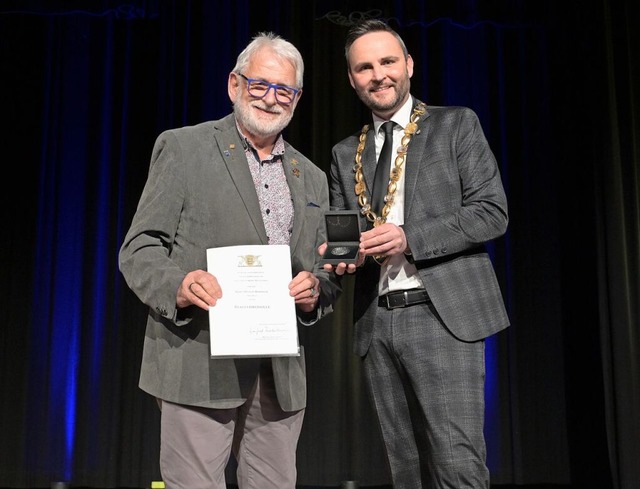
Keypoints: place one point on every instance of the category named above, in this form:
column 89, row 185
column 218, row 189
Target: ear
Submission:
column 410, row 65
column 233, row 85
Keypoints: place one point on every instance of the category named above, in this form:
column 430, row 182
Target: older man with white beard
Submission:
column 233, row 181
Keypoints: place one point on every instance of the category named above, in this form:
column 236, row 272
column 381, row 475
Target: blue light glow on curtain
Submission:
column 73, row 261
column 61, row 246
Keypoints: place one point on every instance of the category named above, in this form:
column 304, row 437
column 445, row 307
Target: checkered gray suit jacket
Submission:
column 454, row 204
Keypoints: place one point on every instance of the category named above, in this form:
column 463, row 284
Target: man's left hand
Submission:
column 388, row 239
column 305, row 289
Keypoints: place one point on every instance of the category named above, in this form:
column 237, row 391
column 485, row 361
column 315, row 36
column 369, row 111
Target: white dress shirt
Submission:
column 397, row 273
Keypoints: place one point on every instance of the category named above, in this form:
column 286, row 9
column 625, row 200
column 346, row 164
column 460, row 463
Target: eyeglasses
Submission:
column 259, row 89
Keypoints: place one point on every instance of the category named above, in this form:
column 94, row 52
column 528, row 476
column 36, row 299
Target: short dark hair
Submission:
column 367, row 26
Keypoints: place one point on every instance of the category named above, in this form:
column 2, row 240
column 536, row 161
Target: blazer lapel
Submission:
column 415, row 153
column 294, row 173
column 232, row 152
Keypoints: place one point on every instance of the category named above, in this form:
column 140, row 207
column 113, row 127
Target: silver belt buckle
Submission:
column 395, row 306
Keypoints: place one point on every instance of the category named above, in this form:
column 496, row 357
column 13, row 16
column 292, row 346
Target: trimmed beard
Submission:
column 401, row 88
column 255, row 125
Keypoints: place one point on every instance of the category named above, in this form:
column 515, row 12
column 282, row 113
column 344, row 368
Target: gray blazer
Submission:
column 454, row 203
column 200, row 194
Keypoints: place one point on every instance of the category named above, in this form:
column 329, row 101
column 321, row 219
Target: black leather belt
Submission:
column 403, row 298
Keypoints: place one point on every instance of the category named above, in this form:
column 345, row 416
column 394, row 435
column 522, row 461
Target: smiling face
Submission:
column 265, row 117
column 380, row 73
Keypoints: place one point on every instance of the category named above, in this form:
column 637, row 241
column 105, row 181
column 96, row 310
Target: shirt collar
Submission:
column 278, row 147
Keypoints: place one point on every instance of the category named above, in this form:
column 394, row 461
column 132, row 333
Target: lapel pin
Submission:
column 296, row 172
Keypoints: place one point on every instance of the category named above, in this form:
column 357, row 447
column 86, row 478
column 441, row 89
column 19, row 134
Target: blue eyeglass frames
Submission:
column 259, row 89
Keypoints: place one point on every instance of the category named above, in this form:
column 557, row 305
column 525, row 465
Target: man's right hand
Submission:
column 198, row 288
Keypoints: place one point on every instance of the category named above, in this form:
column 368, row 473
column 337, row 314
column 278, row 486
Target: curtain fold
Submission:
column 618, row 187
column 86, row 89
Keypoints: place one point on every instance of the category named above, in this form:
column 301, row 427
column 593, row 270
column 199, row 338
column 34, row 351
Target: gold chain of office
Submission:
column 361, row 187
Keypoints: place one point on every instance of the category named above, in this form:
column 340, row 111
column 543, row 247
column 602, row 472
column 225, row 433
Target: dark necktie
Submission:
column 381, row 179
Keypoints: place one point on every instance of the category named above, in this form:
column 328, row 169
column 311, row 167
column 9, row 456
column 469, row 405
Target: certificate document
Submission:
column 256, row 316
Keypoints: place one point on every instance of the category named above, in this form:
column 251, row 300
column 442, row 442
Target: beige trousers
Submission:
column 196, row 443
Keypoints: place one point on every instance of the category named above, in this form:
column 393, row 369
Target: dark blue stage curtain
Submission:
column 86, row 86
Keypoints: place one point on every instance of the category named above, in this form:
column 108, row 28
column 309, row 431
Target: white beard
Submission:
column 257, row 126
